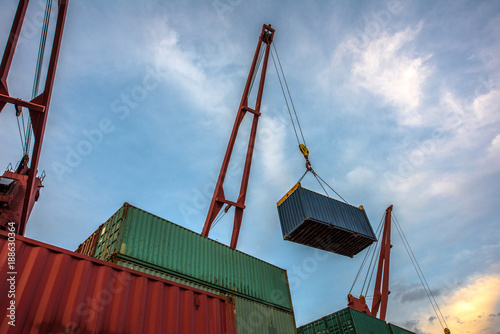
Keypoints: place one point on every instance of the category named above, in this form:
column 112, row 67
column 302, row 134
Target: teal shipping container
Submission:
column 350, row 321
column 142, row 241
column 398, row 330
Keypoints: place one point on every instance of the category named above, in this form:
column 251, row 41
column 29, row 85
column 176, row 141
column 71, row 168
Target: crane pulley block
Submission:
column 304, row 150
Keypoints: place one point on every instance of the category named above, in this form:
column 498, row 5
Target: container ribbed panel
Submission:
column 318, row 221
column 58, row 291
column 138, row 236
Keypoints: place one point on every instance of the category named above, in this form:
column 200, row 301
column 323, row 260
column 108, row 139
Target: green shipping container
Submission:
column 350, row 321
column 139, row 237
column 398, row 330
column 251, row 317
column 345, row 321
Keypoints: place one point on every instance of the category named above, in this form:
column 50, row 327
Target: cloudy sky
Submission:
column 398, row 102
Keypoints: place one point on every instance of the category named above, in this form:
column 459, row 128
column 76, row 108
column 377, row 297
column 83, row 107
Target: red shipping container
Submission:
column 54, row 290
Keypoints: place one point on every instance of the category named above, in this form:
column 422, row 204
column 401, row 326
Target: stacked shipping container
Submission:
column 139, row 240
column 52, row 290
column 350, row 321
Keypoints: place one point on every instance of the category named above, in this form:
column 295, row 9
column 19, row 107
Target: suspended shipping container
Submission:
column 137, row 239
column 51, row 290
column 318, row 221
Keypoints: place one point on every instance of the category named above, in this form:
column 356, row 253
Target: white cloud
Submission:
column 388, row 69
column 472, row 308
column 360, row 176
column 179, row 66
column 271, row 139
column 486, row 107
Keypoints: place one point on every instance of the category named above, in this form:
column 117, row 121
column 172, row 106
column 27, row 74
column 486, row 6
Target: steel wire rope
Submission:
column 370, row 250
column 420, row 274
column 289, row 95
column 20, row 133
column 257, row 66
column 286, row 101
column 318, row 178
column 370, row 268
column 218, row 218
column 28, row 131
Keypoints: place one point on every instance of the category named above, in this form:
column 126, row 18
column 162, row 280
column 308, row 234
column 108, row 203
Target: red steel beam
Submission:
column 10, row 48
column 219, row 199
column 38, row 107
column 39, row 119
column 381, row 292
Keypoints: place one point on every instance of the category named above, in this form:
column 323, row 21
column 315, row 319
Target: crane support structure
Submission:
column 38, row 110
column 219, row 199
column 381, row 290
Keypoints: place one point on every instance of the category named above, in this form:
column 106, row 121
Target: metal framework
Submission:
column 38, row 110
column 219, row 199
column 381, row 290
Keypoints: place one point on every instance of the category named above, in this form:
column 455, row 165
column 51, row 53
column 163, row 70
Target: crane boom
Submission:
column 381, row 290
column 20, row 189
column 219, row 199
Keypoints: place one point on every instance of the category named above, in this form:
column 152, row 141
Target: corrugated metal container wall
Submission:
column 58, row 291
column 318, row 221
column 345, row 321
column 398, row 330
column 251, row 317
column 132, row 234
column 89, row 245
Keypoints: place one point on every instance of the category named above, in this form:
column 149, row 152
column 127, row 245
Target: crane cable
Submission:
column 27, row 131
column 421, row 276
column 289, row 97
column 302, row 145
column 423, row 280
column 371, row 250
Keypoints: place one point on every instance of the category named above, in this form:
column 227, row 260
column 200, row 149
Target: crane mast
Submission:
column 219, row 199
column 381, row 290
column 19, row 189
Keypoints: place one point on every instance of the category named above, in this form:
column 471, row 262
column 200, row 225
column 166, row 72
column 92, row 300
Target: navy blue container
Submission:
column 318, row 221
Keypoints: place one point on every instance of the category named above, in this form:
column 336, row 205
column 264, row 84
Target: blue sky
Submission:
column 398, row 102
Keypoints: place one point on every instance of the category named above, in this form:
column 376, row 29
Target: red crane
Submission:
column 20, row 188
column 219, row 199
column 381, row 291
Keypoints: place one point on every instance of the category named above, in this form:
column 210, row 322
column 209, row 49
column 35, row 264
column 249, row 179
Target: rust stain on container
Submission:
column 318, row 221
column 59, row 291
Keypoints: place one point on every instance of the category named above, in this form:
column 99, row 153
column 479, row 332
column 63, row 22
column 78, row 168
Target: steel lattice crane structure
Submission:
column 219, row 198
column 20, row 188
